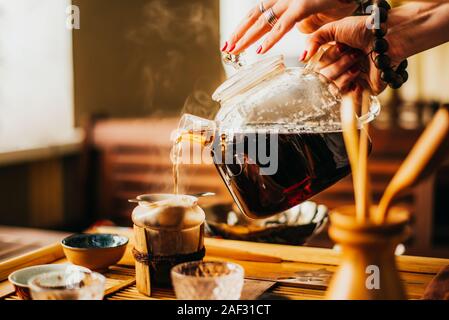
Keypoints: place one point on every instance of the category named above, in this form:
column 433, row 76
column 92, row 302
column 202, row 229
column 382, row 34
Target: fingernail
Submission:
column 354, row 69
column 231, row 48
column 259, row 49
column 224, row 47
column 303, row 56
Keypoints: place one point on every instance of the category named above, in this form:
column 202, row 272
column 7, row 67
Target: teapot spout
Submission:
column 195, row 129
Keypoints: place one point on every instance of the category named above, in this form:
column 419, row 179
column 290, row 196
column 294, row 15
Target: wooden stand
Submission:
column 143, row 282
column 367, row 270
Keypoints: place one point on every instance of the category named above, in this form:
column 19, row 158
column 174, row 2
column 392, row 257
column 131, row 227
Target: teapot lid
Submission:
column 249, row 76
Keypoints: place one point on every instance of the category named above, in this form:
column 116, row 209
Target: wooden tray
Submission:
column 288, row 272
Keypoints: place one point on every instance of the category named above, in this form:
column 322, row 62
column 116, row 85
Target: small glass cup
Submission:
column 207, row 280
column 68, row 285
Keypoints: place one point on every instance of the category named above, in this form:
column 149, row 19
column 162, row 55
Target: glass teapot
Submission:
column 277, row 139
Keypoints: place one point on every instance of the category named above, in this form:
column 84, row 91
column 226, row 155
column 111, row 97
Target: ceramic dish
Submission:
column 94, row 251
column 294, row 226
column 20, row 278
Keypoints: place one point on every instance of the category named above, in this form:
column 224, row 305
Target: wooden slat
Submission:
column 198, row 179
column 46, row 199
column 384, row 166
column 135, row 132
column 41, row 256
column 160, row 161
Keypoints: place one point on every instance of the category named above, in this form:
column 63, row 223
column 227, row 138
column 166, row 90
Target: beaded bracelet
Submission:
column 395, row 79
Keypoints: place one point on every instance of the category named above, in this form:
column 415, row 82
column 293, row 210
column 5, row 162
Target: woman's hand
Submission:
column 308, row 14
column 351, row 68
column 412, row 28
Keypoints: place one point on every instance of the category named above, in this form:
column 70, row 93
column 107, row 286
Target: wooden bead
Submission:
column 381, row 14
column 379, row 33
column 395, row 85
column 403, row 65
column 395, row 79
column 380, row 45
column 404, row 75
column 382, row 61
column 396, row 82
column 384, row 4
column 387, row 75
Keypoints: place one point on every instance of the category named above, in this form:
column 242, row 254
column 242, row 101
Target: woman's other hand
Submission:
column 412, row 28
column 359, row 70
column 308, row 14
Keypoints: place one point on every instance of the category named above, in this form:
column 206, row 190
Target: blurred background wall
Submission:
column 144, row 57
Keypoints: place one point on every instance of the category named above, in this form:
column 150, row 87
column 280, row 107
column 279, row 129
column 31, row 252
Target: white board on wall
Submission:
column 36, row 73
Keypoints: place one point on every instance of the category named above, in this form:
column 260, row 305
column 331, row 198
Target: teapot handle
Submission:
column 374, row 108
column 313, row 61
column 373, row 112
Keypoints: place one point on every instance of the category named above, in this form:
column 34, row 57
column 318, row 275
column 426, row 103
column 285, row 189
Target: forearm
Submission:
column 417, row 27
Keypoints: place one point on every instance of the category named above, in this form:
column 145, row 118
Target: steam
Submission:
column 200, row 103
column 173, row 40
column 189, row 23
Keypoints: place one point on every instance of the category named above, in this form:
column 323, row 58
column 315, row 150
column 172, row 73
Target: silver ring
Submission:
column 261, row 7
column 271, row 18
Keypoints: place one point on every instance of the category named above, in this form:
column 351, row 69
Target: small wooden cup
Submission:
column 367, row 269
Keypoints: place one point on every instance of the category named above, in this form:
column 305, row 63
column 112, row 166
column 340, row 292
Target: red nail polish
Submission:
column 259, row 49
column 224, row 47
column 303, row 56
column 231, row 48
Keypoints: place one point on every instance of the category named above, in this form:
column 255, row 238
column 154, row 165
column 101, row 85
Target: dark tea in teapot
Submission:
column 307, row 163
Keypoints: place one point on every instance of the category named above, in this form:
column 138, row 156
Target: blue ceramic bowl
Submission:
column 94, row 251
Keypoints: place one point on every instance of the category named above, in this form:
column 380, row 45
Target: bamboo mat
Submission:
column 284, row 266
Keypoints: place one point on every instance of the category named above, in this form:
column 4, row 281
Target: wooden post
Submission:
column 143, row 282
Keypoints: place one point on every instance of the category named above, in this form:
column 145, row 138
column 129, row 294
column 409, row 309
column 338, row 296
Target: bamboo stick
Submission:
column 351, row 138
column 427, row 153
column 363, row 202
column 143, row 281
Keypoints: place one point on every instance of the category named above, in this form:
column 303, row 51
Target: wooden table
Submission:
column 284, row 265
column 15, row 241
